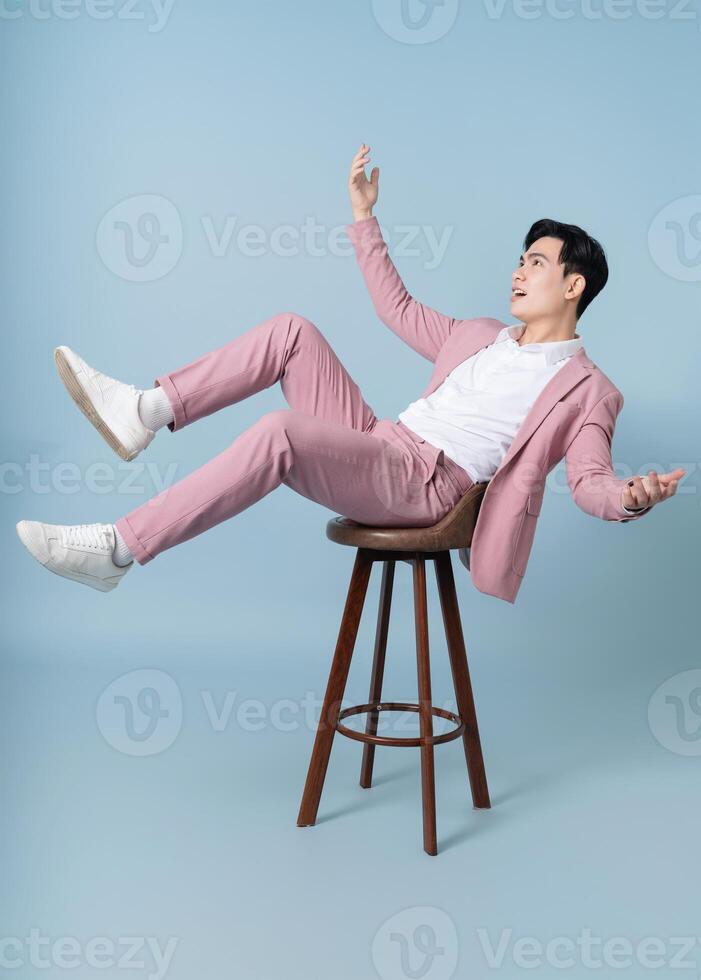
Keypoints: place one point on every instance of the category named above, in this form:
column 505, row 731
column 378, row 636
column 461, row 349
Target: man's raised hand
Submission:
column 645, row 491
column 363, row 192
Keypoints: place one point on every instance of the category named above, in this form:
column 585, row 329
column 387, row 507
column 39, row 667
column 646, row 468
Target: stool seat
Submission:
column 452, row 531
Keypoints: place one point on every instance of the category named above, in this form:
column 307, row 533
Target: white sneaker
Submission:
column 112, row 406
column 82, row 552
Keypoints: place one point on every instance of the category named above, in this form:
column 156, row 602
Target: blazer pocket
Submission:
column 526, row 533
column 533, row 506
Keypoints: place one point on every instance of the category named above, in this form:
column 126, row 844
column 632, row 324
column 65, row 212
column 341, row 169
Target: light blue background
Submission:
column 255, row 110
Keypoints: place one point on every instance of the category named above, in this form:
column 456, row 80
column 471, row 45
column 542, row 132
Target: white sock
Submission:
column 121, row 554
column 154, row 408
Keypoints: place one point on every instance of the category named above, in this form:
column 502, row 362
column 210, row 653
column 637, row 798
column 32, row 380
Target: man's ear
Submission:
column 576, row 286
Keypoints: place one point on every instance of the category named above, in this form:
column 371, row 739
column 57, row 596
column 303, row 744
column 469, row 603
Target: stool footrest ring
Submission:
column 359, row 709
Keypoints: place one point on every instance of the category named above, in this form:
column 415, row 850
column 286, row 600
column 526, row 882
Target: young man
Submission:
column 504, row 405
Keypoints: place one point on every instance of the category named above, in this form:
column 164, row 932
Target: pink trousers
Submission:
column 328, row 445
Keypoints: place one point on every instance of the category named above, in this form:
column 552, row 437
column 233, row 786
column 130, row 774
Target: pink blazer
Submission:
column 574, row 417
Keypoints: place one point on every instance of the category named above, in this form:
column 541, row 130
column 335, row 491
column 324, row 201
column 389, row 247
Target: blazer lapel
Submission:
column 577, row 368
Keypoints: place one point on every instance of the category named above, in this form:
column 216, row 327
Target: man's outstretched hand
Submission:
column 363, row 192
column 645, row 491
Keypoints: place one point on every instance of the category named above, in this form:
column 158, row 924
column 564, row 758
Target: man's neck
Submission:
column 547, row 331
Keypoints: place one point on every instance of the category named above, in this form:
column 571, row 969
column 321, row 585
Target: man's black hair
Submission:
column 580, row 253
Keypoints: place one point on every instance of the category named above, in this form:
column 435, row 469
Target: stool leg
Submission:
column 378, row 670
column 338, row 676
column 428, row 785
column 461, row 679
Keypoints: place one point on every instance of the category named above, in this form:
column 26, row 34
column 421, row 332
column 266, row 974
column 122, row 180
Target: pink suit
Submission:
column 329, row 445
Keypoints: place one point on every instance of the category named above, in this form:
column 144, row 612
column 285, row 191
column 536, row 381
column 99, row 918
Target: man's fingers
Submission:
column 655, row 487
column 660, row 486
column 664, row 485
column 674, row 475
column 655, row 491
column 637, row 492
column 359, row 160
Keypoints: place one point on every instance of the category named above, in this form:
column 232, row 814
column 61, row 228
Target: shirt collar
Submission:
column 551, row 350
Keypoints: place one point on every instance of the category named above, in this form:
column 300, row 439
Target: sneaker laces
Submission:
column 114, row 383
column 121, row 384
column 99, row 378
column 93, row 536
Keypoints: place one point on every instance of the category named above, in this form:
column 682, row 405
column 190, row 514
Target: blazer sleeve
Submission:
column 594, row 485
column 423, row 329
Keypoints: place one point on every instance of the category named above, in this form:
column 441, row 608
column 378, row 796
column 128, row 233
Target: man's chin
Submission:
column 522, row 312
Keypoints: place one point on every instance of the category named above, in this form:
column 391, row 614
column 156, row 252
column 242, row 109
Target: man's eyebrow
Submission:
column 539, row 254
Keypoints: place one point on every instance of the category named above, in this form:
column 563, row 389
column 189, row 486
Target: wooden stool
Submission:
column 413, row 545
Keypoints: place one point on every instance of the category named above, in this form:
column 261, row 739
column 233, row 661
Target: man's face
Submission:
column 539, row 276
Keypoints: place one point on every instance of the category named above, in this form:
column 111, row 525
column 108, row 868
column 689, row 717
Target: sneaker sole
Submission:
column 81, row 579
column 77, row 393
